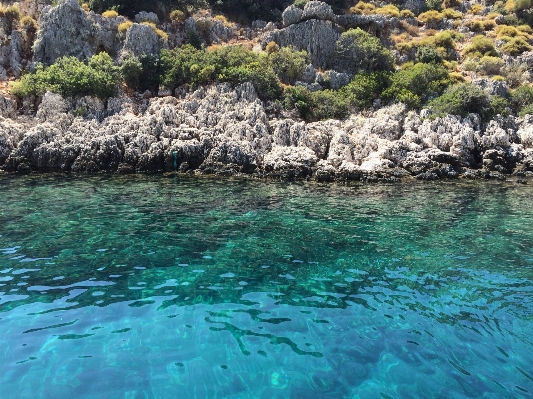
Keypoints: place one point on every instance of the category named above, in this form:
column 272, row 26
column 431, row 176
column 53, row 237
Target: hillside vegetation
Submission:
column 444, row 56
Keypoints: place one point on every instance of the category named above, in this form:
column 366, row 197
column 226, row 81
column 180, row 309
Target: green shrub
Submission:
column 71, row 77
column 260, row 75
column 358, row 51
column 300, row 3
column 288, row 63
column 236, row 64
column 110, row 14
column 141, row 73
column 12, row 13
column 527, row 110
column 499, row 105
column 195, row 39
column 177, row 16
column 300, row 98
column 520, row 5
column 428, row 55
column 365, row 87
column 491, row 65
column 434, row 4
column 521, row 98
column 516, row 46
column 319, row 105
column 480, row 46
column 431, row 17
column 29, row 24
column 131, row 71
column 462, row 99
column 416, row 84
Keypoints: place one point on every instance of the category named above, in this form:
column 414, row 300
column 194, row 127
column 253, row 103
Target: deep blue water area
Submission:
column 173, row 287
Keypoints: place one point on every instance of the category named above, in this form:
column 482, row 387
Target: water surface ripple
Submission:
column 158, row 287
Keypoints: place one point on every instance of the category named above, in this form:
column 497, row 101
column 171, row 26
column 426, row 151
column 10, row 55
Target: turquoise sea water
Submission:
column 157, row 287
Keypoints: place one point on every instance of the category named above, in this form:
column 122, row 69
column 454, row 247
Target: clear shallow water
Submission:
column 153, row 287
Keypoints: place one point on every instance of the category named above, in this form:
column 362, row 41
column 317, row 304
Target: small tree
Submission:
column 288, row 63
column 358, row 51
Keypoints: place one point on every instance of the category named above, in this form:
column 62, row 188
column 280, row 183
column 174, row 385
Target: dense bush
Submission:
column 481, row 46
column 444, row 42
column 362, row 8
column 434, row 4
column 522, row 98
column 28, row 24
column 461, row 100
column 316, row 105
column 431, row 17
column 358, row 51
column 190, row 66
column 491, row 65
column 141, row 73
column 71, row 77
column 365, row 88
column 288, row 63
column 427, row 55
column 417, row 84
column 516, row 46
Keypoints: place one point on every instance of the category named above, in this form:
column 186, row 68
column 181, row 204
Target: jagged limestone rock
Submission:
column 105, row 33
column 8, row 107
column 64, row 30
column 378, row 25
column 316, row 37
column 492, row 87
column 144, row 16
column 34, row 8
column 223, row 130
column 142, row 40
column 333, row 79
column 318, row 10
column 291, row 15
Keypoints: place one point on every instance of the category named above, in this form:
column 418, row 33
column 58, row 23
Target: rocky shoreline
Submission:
column 229, row 131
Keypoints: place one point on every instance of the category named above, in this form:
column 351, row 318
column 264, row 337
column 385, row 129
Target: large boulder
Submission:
column 65, row 30
column 318, row 10
column 316, row 37
column 8, row 107
column 142, row 40
column 291, row 15
column 105, row 33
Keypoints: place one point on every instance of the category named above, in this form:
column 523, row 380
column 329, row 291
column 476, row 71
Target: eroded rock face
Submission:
column 316, row 37
column 33, row 8
column 8, row 107
column 291, row 15
column 318, row 10
column 65, row 30
column 224, row 130
column 492, row 87
column 142, row 40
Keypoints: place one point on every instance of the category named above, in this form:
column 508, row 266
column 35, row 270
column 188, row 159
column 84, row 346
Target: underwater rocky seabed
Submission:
column 223, row 130
column 162, row 287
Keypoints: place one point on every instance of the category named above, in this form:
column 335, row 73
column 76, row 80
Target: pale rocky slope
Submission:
column 222, row 130
column 225, row 130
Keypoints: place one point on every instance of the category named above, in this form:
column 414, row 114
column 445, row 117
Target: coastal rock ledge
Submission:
column 223, row 130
